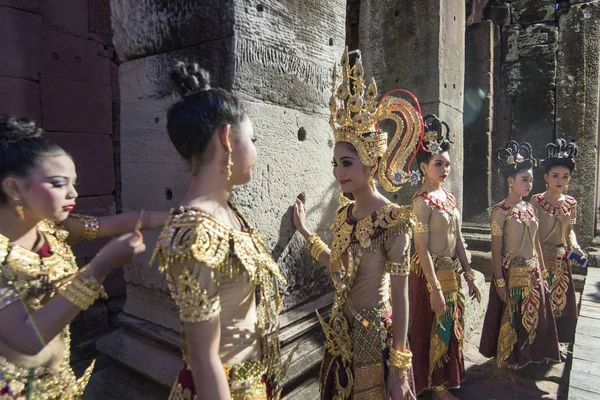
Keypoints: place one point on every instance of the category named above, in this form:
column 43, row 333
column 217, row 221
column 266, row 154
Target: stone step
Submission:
column 308, row 390
column 145, row 356
column 475, row 228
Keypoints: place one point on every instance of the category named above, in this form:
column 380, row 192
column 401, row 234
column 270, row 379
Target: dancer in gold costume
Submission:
column 41, row 288
column 436, row 301
column 557, row 213
column 366, row 351
column 212, row 258
column 519, row 327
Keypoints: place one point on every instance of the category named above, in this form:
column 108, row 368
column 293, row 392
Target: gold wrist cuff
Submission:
column 316, row 246
column 500, row 282
column 437, row 285
column 400, row 362
column 82, row 290
column 91, row 225
column 469, row 275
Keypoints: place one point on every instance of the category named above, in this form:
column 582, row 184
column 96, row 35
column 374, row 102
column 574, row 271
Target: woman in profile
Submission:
column 212, row 258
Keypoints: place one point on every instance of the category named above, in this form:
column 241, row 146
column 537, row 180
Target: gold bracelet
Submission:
column 82, row 290
column 400, row 361
column 437, row 285
column 469, row 275
column 316, row 246
column 500, row 282
column 398, row 269
column 91, row 225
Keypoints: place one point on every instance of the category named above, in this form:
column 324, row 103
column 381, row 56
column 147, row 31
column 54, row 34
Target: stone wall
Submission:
column 58, row 68
column 544, row 51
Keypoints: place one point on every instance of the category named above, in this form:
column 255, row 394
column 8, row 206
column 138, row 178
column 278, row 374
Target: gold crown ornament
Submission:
column 355, row 118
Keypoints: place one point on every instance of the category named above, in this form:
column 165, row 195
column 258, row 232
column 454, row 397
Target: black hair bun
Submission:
column 560, row 154
column 13, row 130
column 189, row 78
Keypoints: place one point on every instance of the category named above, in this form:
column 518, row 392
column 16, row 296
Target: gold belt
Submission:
column 446, row 268
column 246, row 380
column 556, row 251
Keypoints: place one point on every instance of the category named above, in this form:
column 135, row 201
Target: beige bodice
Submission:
column 365, row 248
column 440, row 219
column 555, row 221
column 517, row 228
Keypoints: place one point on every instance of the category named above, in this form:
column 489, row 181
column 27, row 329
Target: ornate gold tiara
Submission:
column 355, row 117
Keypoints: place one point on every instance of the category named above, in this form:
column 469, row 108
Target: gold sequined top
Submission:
column 517, row 228
column 555, row 220
column 366, row 249
column 30, row 279
column 212, row 270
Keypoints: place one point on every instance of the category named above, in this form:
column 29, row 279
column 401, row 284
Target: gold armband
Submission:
column 500, row 282
column 469, row 275
column 420, row 228
column 316, row 246
column 91, row 225
column 437, row 285
column 397, row 269
column 82, row 290
column 400, row 362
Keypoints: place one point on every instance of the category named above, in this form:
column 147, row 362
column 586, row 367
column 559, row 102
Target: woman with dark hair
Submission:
column 41, row 288
column 519, row 327
column 211, row 257
column 557, row 213
column 366, row 350
column 436, row 301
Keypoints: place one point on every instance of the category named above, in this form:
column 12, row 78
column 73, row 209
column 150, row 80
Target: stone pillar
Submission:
column 419, row 46
column 277, row 57
column 478, row 121
column 577, row 92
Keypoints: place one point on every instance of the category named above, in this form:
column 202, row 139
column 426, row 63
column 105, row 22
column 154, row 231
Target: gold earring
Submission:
column 19, row 209
column 510, row 187
column 546, row 185
column 229, row 165
column 566, row 188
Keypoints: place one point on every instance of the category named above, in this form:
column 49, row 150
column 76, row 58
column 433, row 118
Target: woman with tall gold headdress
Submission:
column 519, row 327
column 366, row 351
column 557, row 213
column 436, row 301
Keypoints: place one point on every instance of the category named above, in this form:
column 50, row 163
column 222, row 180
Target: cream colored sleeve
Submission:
column 422, row 213
column 497, row 220
column 195, row 289
column 397, row 249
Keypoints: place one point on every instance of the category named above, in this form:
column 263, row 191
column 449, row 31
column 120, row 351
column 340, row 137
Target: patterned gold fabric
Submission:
column 193, row 236
column 523, row 291
column 27, row 278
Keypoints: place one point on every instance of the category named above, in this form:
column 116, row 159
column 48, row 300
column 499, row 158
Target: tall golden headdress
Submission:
column 355, row 117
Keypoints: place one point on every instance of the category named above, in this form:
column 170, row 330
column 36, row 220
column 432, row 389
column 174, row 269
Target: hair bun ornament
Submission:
column 437, row 134
column 189, row 78
column 13, row 130
column 561, row 153
column 516, row 155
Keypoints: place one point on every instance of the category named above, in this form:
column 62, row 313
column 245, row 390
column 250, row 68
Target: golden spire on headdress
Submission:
column 355, row 114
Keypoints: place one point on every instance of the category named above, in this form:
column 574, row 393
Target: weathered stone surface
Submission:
column 73, row 106
column 26, row 5
column 99, row 17
column 20, row 44
column 477, row 118
column 66, row 56
column 93, row 155
column 68, row 16
column 577, row 93
column 20, row 98
column 500, row 14
column 419, row 47
column 528, row 11
column 149, row 27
